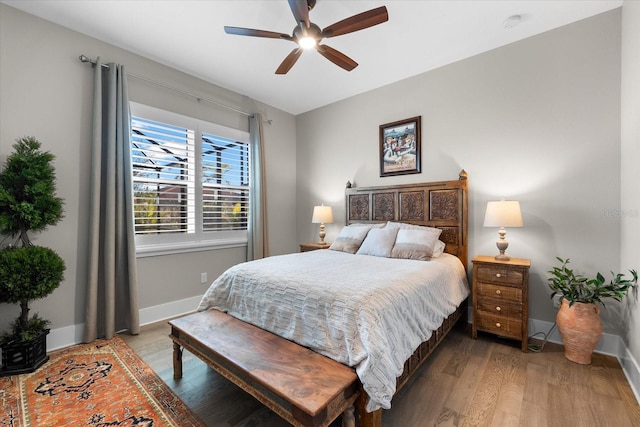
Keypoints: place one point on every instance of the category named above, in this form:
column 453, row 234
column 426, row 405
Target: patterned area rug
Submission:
column 99, row 384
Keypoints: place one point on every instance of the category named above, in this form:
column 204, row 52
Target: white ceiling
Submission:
column 419, row 36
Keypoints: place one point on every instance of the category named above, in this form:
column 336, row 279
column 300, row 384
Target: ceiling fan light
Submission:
column 307, row 42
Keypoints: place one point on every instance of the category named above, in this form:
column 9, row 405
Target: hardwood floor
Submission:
column 465, row 382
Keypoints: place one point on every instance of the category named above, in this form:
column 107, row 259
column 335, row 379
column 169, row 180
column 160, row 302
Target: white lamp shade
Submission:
column 503, row 213
column 322, row 215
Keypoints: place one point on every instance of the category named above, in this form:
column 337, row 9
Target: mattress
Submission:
column 366, row 312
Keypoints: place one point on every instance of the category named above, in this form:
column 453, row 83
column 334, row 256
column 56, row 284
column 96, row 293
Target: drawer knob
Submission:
column 498, row 275
column 498, row 308
column 498, row 292
column 498, row 325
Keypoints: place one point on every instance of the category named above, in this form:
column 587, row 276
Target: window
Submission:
column 225, row 183
column 190, row 182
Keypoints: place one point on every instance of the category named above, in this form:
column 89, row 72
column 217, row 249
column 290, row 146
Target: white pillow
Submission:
column 350, row 238
column 415, row 243
column 438, row 249
column 379, row 242
column 405, row 226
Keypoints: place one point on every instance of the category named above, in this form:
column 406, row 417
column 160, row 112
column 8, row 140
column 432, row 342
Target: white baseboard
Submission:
column 64, row 337
column 70, row 335
column 611, row 345
column 169, row 310
column 631, row 370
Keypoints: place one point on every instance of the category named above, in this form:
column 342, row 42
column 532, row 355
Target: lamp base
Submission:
column 502, row 245
column 322, row 233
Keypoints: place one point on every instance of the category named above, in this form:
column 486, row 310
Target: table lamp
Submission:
column 503, row 213
column 322, row 215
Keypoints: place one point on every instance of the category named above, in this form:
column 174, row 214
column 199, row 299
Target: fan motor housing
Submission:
column 313, row 31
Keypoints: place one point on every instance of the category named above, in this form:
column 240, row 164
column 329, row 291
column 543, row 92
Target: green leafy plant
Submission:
column 28, row 273
column 35, row 325
column 28, row 203
column 27, row 191
column 577, row 288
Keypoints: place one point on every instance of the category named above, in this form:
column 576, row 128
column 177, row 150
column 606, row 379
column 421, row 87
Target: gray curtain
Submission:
column 112, row 286
column 258, row 242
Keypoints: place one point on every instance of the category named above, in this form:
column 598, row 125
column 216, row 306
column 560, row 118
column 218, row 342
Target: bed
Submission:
column 383, row 324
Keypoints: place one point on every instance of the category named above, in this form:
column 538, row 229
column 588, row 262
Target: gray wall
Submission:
column 537, row 121
column 45, row 91
column 630, row 203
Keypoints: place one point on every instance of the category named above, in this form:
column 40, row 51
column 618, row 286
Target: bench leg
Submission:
column 349, row 417
column 367, row 419
column 371, row 419
column 177, row 361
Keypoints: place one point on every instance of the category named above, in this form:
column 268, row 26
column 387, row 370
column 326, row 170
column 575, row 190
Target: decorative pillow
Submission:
column 350, row 238
column 405, row 226
column 379, row 242
column 415, row 243
column 438, row 249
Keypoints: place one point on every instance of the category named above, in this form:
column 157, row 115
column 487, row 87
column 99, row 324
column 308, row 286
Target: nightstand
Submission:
column 501, row 297
column 306, row 247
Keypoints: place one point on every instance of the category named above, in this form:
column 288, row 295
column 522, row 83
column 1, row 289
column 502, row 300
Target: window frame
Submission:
column 199, row 240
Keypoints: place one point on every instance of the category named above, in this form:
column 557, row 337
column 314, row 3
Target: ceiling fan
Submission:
column 308, row 35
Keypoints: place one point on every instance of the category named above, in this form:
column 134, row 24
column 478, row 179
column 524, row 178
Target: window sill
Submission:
column 179, row 248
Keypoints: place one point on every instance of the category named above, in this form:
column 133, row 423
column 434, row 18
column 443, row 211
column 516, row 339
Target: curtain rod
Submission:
column 84, row 58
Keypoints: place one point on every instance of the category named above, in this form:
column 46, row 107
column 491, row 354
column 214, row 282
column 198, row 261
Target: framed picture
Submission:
column 400, row 147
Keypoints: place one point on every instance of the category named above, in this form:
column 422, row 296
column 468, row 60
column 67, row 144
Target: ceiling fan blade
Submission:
column 288, row 62
column 357, row 22
column 338, row 58
column 300, row 11
column 256, row 33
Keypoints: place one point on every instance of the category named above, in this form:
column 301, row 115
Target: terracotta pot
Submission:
column 581, row 328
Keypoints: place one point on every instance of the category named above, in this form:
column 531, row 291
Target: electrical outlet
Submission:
column 556, row 301
column 203, row 278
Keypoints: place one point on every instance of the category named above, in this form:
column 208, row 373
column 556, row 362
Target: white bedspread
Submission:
column 367, row 312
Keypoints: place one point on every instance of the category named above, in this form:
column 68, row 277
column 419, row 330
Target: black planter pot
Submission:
column 24, row 357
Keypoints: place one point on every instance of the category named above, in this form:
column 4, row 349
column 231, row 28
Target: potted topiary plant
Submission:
column 28, row 203
column 579, row 316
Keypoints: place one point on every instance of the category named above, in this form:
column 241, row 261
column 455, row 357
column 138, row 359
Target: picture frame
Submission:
column 400, row 151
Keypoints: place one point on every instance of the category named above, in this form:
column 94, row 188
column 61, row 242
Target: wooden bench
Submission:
column 303, row 387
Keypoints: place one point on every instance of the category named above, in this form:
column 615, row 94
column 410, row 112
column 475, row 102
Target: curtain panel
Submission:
column 257, row 237
column 112, row 285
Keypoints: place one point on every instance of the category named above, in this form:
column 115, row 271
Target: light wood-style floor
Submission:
column 465, row 382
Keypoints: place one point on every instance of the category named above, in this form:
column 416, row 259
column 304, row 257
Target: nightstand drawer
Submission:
column 500, row 325
column 500, row 308
column 486, row 290
column 498, row 274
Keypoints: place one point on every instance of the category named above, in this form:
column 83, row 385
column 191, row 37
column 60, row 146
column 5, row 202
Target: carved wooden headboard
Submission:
column 440, row 204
